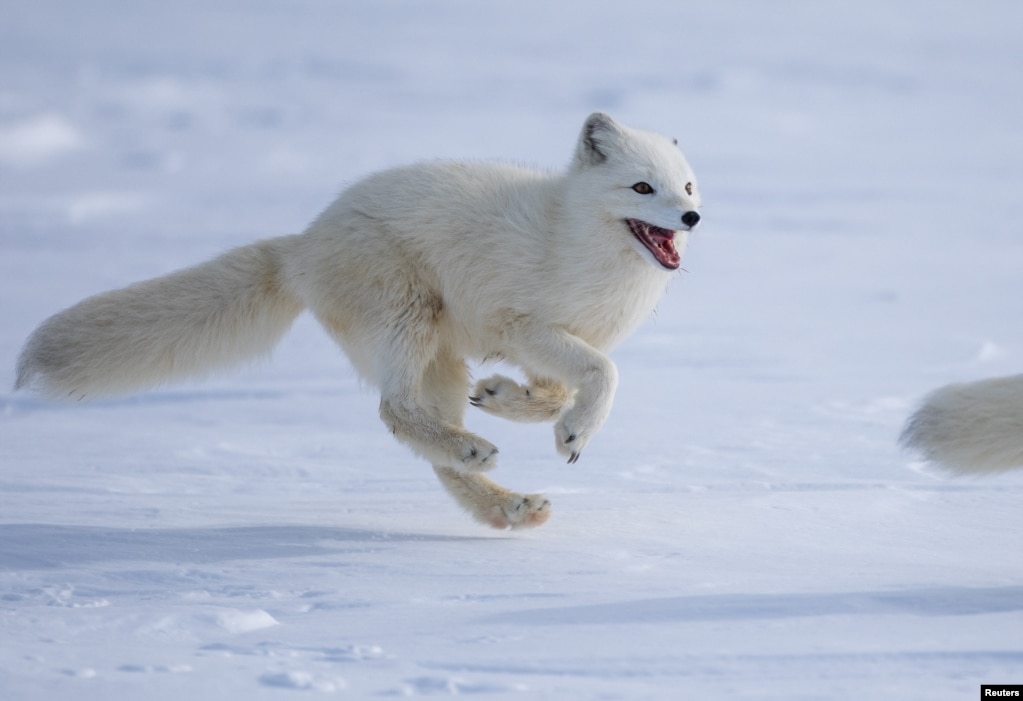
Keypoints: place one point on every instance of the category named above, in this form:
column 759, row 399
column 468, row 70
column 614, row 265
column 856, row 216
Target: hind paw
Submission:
column 475, row 454
column 521, row 511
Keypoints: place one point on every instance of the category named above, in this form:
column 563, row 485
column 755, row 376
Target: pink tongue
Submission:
column 660, row 242
column 663, row 247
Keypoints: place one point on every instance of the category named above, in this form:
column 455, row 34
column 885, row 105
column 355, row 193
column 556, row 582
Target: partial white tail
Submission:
column 975, row 427
column 184, row 324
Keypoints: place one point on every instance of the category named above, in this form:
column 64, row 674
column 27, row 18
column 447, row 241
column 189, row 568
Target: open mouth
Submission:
column 660, row 242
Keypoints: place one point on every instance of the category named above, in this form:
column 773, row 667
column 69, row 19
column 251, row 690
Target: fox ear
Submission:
column 599, row 134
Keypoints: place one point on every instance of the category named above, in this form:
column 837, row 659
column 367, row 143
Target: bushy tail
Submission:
column 184, row 324
column 975, row 427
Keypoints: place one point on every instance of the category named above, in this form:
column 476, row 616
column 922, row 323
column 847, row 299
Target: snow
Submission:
column 744, row 527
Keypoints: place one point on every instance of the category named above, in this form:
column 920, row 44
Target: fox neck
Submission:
column 609, row 287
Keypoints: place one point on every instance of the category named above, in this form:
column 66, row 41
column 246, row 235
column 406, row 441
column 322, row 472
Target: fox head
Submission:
column 647, row 188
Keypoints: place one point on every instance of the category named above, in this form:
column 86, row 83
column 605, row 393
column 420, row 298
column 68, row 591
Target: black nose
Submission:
column 691, row 219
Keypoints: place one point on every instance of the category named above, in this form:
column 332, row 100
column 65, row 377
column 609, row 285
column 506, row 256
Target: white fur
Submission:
column 975, row 427
column 414, row 271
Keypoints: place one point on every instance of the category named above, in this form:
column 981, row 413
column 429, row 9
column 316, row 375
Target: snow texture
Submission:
column 744, row 527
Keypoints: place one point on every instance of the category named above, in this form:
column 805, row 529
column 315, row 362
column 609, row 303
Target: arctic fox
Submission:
column 415, row 271
column 973, row 427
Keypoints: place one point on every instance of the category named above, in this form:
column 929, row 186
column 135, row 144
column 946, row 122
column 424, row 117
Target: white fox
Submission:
column 414, row 271
column 974, row 427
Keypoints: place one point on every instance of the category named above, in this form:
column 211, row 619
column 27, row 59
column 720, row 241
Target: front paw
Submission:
column 569, row 440
column 501, row 396
column 498, row 395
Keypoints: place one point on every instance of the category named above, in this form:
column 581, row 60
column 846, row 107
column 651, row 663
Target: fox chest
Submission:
column 605, row 314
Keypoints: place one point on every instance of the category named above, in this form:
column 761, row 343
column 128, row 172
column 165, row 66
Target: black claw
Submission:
column 573, row 458
column 475, row 399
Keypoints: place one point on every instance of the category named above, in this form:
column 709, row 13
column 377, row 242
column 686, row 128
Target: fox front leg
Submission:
column 541, row 400
column 553, row 352
column 579, row 424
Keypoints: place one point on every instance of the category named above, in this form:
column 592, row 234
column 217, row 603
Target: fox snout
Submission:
column 691, row 218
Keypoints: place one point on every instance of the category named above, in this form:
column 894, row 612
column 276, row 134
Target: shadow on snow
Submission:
column 931, row 601
column 44, row 546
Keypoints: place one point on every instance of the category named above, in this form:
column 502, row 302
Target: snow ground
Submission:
column 743, row 528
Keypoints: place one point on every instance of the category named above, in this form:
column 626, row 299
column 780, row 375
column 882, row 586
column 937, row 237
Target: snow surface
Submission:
column 743, row 528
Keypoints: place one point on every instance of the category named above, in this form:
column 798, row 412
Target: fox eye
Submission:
column 643, row 188
column 689, row 188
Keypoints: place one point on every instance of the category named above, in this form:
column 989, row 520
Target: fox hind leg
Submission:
column 492, row 504
column 443, row 391
column 410, row 353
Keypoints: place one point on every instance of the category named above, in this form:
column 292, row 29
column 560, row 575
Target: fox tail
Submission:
column 185, row 324
column 970, row 428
